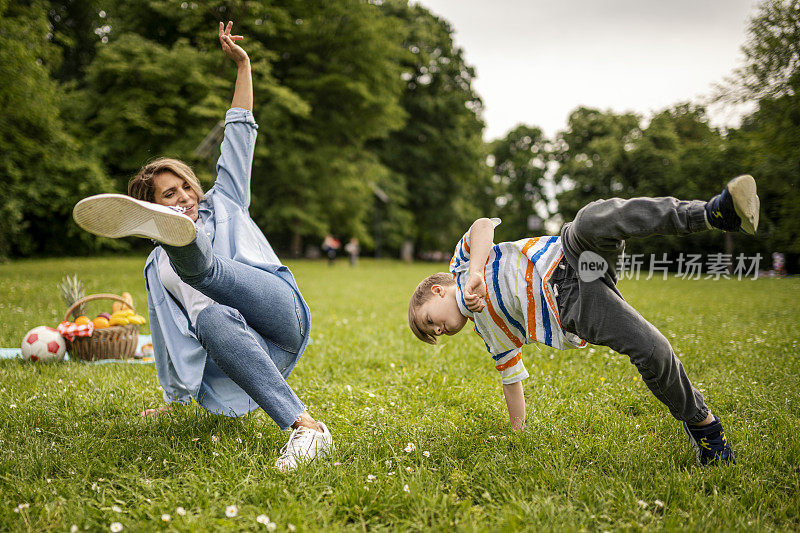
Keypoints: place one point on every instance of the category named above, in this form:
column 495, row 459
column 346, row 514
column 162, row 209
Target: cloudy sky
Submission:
column 537, row 60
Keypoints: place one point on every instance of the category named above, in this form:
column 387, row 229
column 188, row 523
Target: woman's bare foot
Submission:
column 156, row 411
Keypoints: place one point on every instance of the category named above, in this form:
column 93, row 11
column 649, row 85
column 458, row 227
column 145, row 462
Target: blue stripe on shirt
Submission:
column 496, row 282
column 501, row 355
column 461, row 290
column 544, row 248
column 461, row 250
column 548, row 335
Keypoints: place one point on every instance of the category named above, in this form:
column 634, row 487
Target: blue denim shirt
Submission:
column 185, row 370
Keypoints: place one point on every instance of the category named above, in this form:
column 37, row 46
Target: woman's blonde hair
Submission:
column 141, row 186
column 421, row 295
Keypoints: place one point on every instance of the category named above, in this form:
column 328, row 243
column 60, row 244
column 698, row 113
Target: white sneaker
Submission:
column 304, row 445
column 118, row 215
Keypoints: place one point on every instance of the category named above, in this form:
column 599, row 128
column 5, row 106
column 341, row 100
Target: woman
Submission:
column 227, row 319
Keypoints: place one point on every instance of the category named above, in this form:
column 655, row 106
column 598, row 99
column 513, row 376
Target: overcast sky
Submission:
column 537, row 60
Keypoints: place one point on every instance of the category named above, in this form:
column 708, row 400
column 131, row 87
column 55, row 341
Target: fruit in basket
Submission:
column 105, row 315
column 119, row 306
column 72, row 291
column 136, row 319
column 82, row 320
column 118, row 321
column 100, row 322
column 43, row 344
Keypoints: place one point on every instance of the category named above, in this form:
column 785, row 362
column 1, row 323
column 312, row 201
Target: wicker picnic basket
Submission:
column 113, row 342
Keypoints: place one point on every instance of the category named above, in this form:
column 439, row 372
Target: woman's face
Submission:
column 171, row 190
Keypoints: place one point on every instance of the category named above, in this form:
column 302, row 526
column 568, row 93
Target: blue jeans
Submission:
column 254, row 331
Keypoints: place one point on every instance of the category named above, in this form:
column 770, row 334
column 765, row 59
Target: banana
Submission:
column 136, row 319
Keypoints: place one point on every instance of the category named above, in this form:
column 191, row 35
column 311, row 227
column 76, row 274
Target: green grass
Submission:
column 598, row 451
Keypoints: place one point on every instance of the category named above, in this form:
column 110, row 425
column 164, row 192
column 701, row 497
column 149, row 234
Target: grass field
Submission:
column 599, row 452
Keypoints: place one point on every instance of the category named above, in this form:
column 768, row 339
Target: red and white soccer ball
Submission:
column 44, row 345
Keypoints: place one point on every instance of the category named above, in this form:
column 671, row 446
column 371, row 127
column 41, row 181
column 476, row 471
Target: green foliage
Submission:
column 771, row 54
column 770, row 143
column 520, row 167
column 45, row 170
column 599, row 452
column 144, row 100
column 338, row 60
column 439, row 153
column 769, row 138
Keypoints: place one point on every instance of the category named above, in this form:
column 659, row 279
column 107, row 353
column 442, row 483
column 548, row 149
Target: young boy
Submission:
column 561, row 291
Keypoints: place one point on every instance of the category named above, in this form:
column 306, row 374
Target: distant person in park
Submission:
column 330, row 245
column 779, row 264
column 227, row 319
column 562, row 291
column 352, row 248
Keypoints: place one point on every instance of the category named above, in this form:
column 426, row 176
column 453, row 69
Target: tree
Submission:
column 340, row 60
column 520, row 163
column 594, row 157
column 678, row 154
column 771, row 55
column 44, row 169
column 325, row 82
column 438, row 156
column 768, row 140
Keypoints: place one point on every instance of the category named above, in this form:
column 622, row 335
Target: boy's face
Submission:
column 440, row 314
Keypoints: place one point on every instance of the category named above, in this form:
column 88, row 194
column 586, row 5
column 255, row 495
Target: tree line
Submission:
column 369, row 125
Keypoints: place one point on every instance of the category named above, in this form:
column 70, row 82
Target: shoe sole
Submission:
column 745, row 201
column 117, row 215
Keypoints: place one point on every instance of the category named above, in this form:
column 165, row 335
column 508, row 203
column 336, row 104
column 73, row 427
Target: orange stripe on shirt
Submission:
column 466, row 244
column 529, row 290
column 500, row 323
column 511, row 362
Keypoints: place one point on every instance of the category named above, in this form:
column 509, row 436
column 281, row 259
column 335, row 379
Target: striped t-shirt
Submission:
column 520, row 304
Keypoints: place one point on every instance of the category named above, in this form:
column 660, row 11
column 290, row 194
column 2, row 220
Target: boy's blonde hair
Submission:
column 141, row 186
column 421, row 295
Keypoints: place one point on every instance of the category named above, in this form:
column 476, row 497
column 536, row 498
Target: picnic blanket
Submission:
column 16, row 353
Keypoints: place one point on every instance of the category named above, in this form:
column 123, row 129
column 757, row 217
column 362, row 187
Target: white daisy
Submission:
column 231, row 511
column 180, row 511
column 262, row 519
column 165, row 517
column 116, row 509
column 406, row 489
column 371, row 478
column 426, row 453
column 116, row 527
column 410, row 447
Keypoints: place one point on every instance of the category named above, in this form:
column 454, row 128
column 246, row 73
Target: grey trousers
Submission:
column 597, row 312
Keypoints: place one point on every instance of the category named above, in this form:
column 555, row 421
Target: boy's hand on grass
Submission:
column 475, row 293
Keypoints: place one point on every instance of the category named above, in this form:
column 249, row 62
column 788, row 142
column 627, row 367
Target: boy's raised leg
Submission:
column 603, row 225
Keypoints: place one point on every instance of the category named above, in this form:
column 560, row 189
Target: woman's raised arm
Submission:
column 243, row 92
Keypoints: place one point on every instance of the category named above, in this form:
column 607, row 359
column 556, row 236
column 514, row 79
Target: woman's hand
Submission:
column 228, row 42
